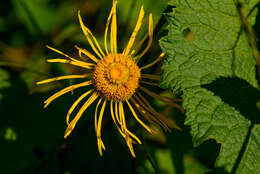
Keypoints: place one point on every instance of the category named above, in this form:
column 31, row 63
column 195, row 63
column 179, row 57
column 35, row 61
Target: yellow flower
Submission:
column 115, row 78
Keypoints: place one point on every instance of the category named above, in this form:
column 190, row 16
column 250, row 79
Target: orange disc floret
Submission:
column 116, row 77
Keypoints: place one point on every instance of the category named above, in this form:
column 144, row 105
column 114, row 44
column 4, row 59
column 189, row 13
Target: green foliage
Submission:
column 250, row 161
column 206, row 41
column 37, row 13
column 4, row 77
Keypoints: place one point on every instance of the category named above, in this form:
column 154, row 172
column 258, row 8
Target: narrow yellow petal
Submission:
column 138, row 119
column 165, row 100
column 73, row 123
column 154, row 62
column 139, row 44
column 149, row 83
column 80, row 64
column 75, row 104
column 63, row 78
column 98, row 131
column 117, row 114
column 134, row 136
column 95, row 120
column 58, row 51
column 152, row 119
column 113, row 118
column 132, row 53
column 65, row 55
column 88, row 54
column 130, row 146
column 100, row 118
column 159, row 116
column 99, row 141
column 114, row 32
column 112, row 41
column 88, row 33
column 126, row 131
column 133, row 36
column 149, row 113
column 107, row 25
column 151, row 77
column 65, row 90
column 150, row 33
column 124, row 128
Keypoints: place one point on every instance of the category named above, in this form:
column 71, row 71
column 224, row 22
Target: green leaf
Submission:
column 220, row 47
column 206, row 41
column 37, row 16
column 210, row 118
column 250, row 162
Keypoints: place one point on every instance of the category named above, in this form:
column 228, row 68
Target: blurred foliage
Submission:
column 31, row 138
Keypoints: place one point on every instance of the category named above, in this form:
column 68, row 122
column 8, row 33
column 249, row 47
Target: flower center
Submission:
column 116, row 77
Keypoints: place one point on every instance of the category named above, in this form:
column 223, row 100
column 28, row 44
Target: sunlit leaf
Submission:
column 206, row 41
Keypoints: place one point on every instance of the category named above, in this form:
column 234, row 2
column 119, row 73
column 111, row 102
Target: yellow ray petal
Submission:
column 62, row 78
column 99, row 128
column 58, row 51
column 73, row 123
column 153, row 120
column 124, row 128
column 150, row 33
column 133, row 36
column 95, row 120
column 149, row 83
column 113, row 38
column 130, row 146
column 117, row 115
column 65, row 55
column 162, row 118
column 147, row 110
column 88, row 54
column 99, row 143
column 75, row 104
column 128, row 140
column 154, row 62
column 151, row 77
column 65, row 90
column 107, row 25
column 138, row 119
column 113, row 118
column 82, row 64
column 139, row 44
column 88, row 35
column 156, row 96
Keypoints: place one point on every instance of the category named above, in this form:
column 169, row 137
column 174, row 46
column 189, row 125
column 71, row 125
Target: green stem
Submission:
column 31, row 17
column 149, row 158
column 251, row 37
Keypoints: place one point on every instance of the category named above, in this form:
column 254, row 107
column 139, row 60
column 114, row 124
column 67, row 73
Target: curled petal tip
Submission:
column 67, row 132
column 154, row 132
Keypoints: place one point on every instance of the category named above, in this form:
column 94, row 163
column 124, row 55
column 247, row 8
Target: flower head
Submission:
column 115, row 79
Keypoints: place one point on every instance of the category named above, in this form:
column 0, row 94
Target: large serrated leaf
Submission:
column 206, row 41
column 250, row 162
column 210, row 118
column 220, row 46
